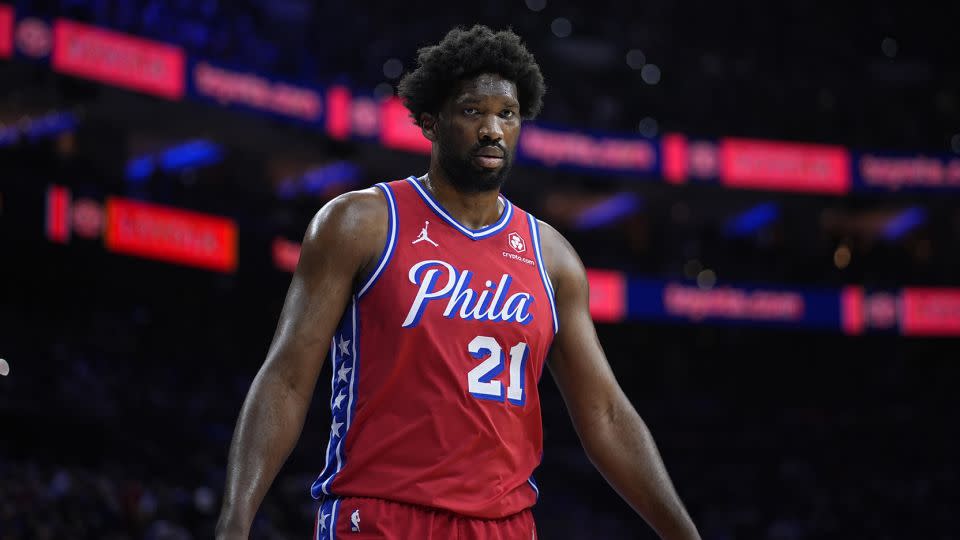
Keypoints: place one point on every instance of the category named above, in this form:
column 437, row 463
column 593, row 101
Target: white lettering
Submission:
column 464, row 302
column 424, row 295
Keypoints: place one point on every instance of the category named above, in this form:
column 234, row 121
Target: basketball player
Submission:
column 437, row 301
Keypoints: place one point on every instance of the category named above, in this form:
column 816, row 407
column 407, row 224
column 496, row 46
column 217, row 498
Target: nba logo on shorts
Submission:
column 355, row 520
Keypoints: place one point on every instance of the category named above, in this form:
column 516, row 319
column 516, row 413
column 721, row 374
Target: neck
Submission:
column 473, row 210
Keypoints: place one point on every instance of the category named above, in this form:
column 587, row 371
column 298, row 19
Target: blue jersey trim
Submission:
column 326, row 525
column 475, row 234
column 390, row 247
column 333, row 520
column 345, row 363
column 535, row 235
column 315, row 488
column 533, row 484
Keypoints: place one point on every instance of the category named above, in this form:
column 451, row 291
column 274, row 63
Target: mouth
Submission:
column 488, row 162
column 488, row 157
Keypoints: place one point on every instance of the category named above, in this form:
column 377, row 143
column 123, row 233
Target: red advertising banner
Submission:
column 397, row 129
column 675, row 152
column 286, row 254
column 930, row 312
column 338, row 112
column 608, row 295
column 171, row 235
column 783, row 166
column 6, row 31
column 118, row 59
column 852, row 320
column 58, row 214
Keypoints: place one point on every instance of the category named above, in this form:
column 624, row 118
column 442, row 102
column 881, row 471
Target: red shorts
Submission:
column 353, row 518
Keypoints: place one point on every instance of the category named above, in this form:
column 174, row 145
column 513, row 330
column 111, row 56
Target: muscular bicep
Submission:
column 577, row 363
column 338, row 245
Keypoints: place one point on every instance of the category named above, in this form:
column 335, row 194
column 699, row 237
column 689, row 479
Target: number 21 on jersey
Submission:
column 480, row 380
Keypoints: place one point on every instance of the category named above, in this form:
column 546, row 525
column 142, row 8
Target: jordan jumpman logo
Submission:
column 423, row 235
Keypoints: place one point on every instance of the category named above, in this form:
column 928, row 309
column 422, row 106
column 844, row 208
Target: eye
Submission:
column 470, row 111
column 507, row 113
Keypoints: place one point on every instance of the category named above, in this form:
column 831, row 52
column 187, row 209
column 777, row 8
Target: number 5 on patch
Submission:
column 480, row 379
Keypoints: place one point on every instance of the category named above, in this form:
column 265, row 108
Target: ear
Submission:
column 428, row 126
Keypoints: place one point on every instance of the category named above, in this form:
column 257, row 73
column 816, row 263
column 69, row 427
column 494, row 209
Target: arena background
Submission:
column 765, row 193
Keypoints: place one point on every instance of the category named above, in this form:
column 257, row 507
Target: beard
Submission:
column 468, row 177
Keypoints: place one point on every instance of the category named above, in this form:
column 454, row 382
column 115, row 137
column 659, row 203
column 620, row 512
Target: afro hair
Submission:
column 466, row 53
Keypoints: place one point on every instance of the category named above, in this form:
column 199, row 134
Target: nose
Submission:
column 490, row 129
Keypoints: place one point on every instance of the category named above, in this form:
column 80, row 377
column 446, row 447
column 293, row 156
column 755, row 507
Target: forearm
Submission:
column 621, row 447
column 269, row 425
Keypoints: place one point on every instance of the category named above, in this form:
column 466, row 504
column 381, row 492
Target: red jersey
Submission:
column 436, row 363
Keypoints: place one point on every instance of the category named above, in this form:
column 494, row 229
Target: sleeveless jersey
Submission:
column 436, row 363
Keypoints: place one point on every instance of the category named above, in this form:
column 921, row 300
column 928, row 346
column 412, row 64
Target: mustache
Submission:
column 493, row 144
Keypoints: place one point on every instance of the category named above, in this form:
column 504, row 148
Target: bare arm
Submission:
column 614, row 436
column 340, row 243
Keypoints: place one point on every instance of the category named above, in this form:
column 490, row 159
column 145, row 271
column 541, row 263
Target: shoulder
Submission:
column 354, row 212
column 352, row 225
column 563, row 264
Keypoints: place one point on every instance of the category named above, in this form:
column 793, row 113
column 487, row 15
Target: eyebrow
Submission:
column 471, row 98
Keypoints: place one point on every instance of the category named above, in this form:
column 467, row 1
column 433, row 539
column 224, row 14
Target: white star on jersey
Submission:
column 343, row 371
column 344, row 344
column 338, row 400
column 323, row 521
column 336, row 428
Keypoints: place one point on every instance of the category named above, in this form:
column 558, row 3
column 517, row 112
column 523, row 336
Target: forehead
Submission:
column 485, row 85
